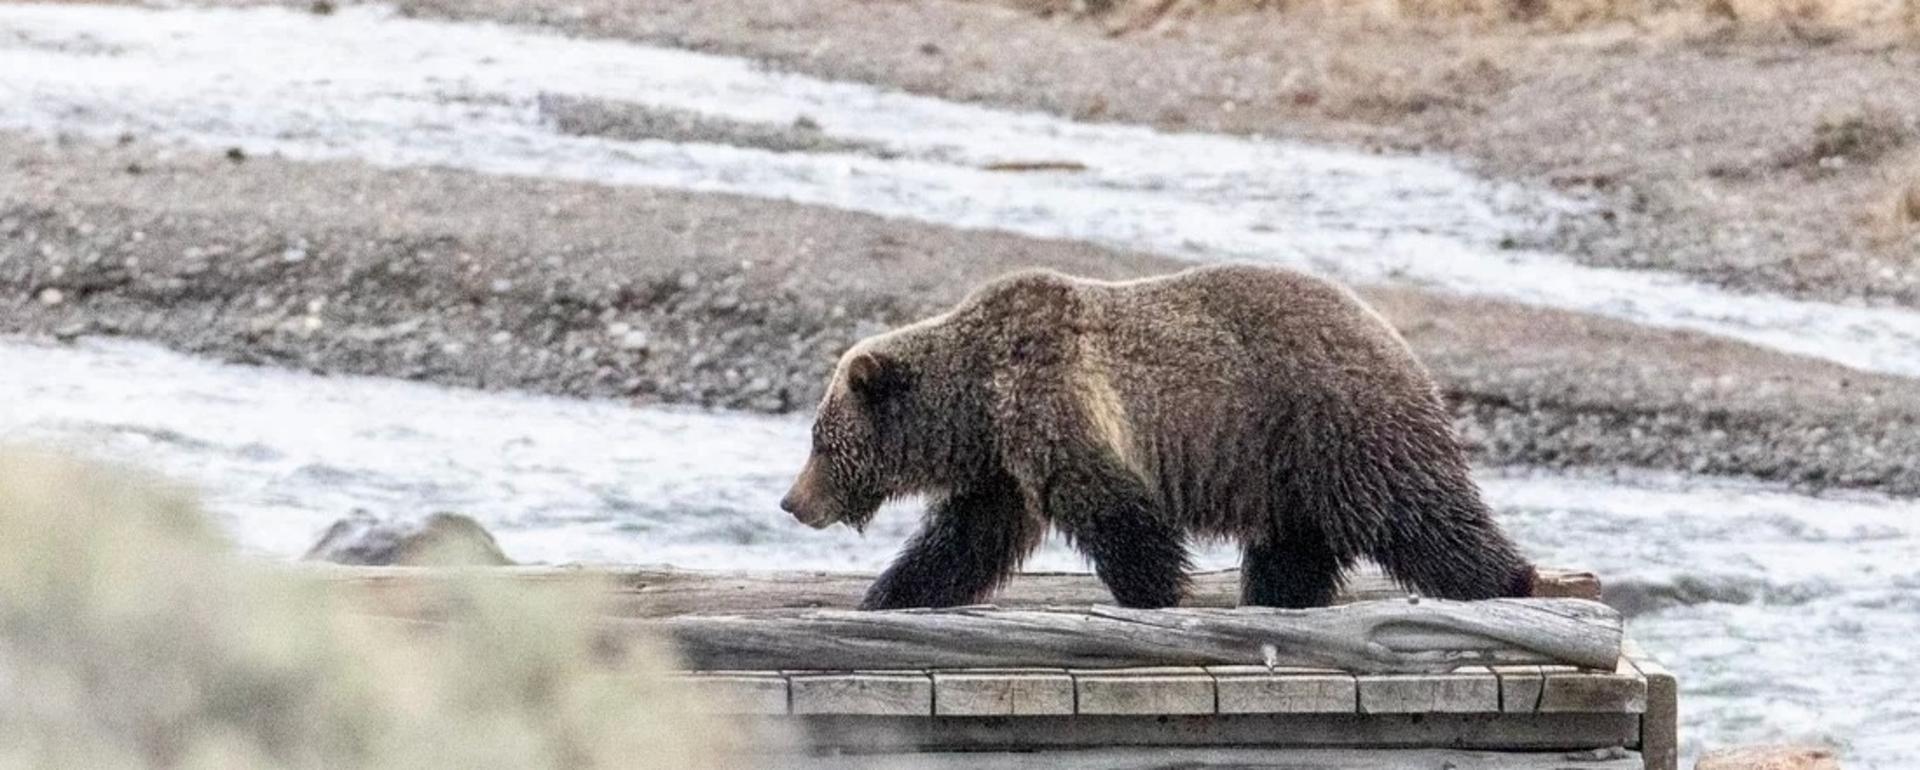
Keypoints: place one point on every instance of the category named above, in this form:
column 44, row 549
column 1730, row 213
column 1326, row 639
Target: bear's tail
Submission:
column 1524, row 582
column 1442, row 541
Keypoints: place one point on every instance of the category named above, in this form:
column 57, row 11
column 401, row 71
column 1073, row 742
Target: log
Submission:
column 1375, row 637
column 654, row 592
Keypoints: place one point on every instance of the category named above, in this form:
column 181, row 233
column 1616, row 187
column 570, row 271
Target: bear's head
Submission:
column 860, row 443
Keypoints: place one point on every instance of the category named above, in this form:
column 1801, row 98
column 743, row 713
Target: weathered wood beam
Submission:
column 1289, row 732
column 1377, row 636
column 1659, row 727
column 647, row 592
column 1159, row 758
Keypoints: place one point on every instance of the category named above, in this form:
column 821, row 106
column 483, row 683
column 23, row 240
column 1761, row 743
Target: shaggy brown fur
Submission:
column 1255, row 404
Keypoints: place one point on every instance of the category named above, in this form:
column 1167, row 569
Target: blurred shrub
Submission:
column 131, row 637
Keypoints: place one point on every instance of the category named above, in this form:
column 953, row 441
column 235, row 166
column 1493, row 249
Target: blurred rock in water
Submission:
column 1639, row 596
column 442, row 539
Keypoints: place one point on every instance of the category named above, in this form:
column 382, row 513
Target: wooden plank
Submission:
column 1008, row 692
column 1520, row 688
column 1660, row 725
column 1467, row 691
column 1224, row 759
column 1382, row 636
column 1259, row 690
column 1623, row 690
column 740, row 692
column 1505, row 732
column 1165, row 690
column 863, row 693
column 639, row 592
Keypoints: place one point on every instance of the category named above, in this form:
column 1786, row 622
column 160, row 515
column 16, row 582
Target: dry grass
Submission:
column 1906, row 204
column 130, row 638
column 1814, row 20
column 1857, row 138
column 1889, row 212
column 1862, row 137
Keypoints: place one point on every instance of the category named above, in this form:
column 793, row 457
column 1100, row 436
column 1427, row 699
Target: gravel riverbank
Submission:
column 503, row 282
column 1734, row 148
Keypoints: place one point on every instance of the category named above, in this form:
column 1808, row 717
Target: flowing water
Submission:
column 365, row 84
column 1784, row 585
column 1784, row 578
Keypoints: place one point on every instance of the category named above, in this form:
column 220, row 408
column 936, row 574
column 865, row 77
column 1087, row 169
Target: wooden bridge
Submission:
column 1049, row 677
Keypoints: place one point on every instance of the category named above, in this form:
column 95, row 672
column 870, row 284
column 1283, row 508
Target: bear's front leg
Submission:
column 1108, row 514
column 971, row 543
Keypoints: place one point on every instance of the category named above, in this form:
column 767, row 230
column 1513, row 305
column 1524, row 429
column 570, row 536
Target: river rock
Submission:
column 1634, row 597
column 1769, row 758
column 442, row 539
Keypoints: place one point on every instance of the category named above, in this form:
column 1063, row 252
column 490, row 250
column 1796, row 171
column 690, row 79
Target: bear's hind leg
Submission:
column 1293, row 571
column 970, row 544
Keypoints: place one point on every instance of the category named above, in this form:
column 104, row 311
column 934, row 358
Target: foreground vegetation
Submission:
column 131, row 637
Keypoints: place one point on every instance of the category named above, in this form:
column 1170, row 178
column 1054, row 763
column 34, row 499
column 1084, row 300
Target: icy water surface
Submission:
column 1790, row 578
column 366, row 84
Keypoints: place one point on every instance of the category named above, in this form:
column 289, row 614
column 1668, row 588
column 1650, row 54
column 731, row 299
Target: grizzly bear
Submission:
column 1245, row 403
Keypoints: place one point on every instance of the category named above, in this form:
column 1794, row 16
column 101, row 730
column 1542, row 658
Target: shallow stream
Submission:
column 1802, row 613
column 1805, row 609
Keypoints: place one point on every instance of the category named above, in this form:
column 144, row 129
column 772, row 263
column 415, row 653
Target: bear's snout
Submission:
column 794, row 505
column 799, row 501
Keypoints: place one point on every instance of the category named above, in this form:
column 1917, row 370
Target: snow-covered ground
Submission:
column 366, row 84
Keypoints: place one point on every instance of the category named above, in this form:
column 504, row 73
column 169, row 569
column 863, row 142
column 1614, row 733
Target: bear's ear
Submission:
column 875, row 376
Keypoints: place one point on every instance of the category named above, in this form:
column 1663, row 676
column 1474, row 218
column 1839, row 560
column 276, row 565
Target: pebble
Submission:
column 1770, row 758
column 70, row 332
column 51, row 296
